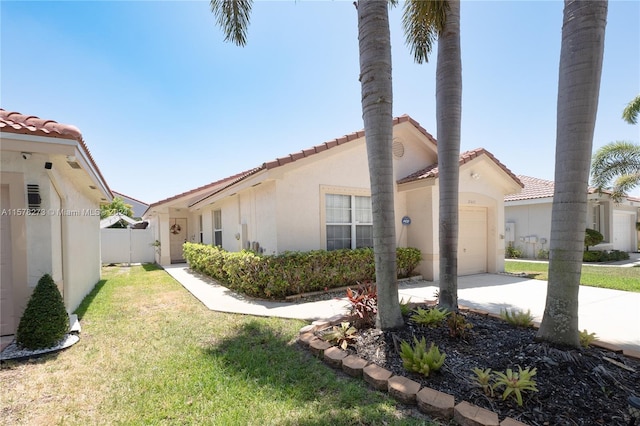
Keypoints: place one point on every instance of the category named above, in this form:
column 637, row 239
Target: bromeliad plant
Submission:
column 342, row 335
column 515, row 383
column 482, row 378
column 586, row 338
column 364, row 305
column 517, row 317
column 418, row 359
column 429, row 317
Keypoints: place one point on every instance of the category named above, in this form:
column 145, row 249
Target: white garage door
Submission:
column 623, row 227
column 472, row 241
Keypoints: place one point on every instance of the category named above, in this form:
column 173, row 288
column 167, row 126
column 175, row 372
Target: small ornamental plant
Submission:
column 431, row 317
column 586, row 338
column 419, row 359
column 364, row 305
column 517, row 317
column 342, row 336
column 45, row 320
column 515, row 384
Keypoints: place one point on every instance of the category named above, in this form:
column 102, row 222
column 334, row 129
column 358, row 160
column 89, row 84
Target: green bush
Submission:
column 277, row 276
column 604, row 256
column 592, row 238
column 513, row 252
column 45, row 320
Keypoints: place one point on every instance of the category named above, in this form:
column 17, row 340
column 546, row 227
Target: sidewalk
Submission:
column 613, row 315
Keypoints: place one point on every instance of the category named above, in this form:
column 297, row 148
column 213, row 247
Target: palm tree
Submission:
column 422, row 20
column 377, row 99
column 631, row 111
column 615, row 167
column 377, row 96
column 581, row 55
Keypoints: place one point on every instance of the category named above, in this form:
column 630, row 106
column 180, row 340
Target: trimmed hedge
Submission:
column 45, row 320
column 604, row 256
column 278, row 276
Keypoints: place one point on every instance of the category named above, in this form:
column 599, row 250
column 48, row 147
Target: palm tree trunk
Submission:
column 377, row 96
column 448, row 115
column 581, row 56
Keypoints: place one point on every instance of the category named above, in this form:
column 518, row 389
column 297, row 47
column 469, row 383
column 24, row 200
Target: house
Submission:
column 528, row 218
column 51, row 195
column 319, row 198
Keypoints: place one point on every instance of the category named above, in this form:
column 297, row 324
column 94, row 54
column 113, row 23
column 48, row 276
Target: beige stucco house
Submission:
column 51, row 195
column 528, row 218
column 319, row 198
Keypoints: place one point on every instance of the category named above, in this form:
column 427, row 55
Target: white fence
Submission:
column 127, row 245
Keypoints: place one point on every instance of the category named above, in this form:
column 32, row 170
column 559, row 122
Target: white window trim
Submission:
column 339, row 190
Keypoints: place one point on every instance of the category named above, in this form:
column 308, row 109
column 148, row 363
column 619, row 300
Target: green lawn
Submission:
column 618, row 278
column 150, row 353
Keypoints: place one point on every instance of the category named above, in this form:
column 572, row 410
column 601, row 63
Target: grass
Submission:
column 150, row 353
column 613, row 277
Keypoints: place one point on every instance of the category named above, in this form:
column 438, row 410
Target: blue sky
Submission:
column 165, row 105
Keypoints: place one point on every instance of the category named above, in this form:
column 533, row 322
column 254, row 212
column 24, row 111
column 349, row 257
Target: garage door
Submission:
column 623, row 227
column 472, row 241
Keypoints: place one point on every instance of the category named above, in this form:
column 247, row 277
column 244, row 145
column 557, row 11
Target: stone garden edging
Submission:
column 428, row 401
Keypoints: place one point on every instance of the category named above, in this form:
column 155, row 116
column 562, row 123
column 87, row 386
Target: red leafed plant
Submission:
column 364, row 305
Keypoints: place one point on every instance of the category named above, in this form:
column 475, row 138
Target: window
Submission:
column 349, row 221
column 217, row 228
column 201, row 234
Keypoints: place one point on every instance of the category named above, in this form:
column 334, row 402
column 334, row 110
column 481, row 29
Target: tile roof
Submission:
column 533, row 188
column 17, row 123
column 121, row 195
column 340, row 141
column 431, row 171
column 222, row 184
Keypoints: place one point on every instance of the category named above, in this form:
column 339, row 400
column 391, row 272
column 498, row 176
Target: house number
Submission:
column 472, row 201
column 406, row 220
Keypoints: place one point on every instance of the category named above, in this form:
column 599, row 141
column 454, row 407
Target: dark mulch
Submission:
column 575, row 387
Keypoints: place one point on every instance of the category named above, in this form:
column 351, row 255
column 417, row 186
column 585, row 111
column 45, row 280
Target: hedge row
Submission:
column 278, row 276
column 604, row 256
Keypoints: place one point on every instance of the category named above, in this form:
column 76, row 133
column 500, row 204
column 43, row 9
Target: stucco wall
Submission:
column 63, row 240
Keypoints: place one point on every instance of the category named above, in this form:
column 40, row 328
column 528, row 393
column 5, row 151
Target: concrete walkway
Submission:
column 613, row 315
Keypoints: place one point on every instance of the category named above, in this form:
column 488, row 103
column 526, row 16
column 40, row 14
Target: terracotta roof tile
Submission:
column 431, row 171
column 281, row 161
column 533, row 188
column 17, row 123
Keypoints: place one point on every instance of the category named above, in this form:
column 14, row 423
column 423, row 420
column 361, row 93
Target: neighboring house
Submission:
column 319, row 198
column 51, row 195
column 528, row 218
column 138, row 207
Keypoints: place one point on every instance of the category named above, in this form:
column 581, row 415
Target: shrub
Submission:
column 592, row 238
column 513, row 252
column 277, row 276
column 45, row 320
column 586, row 338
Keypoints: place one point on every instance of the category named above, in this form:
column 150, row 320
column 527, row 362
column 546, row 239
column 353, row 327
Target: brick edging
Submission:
column 429, row 401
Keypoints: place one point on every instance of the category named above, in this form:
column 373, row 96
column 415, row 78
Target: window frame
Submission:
column 217, row 227
column 353, row 223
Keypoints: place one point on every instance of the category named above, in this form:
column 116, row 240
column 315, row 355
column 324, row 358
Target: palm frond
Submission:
column 423, row 21
column 615, row 167
column 631, row 111
column 233, row 17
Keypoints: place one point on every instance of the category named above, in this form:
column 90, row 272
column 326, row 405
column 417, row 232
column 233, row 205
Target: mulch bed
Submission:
column 575, row 386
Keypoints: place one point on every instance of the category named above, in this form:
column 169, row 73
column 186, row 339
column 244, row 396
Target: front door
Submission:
column 7, row 321
column 178, row 236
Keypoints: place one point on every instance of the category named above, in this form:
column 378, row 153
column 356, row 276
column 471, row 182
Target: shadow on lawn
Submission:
column 260, row 355
column 86, row 302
